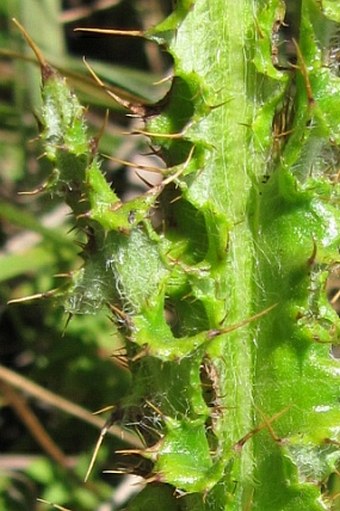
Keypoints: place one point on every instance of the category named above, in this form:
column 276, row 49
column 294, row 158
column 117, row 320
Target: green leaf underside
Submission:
column 248, row 416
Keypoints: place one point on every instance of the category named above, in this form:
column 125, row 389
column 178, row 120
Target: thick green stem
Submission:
column 223, row 190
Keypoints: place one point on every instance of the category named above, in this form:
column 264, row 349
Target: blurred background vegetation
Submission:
column 46, row 443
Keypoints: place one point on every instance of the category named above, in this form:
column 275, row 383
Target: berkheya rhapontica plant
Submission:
column 222, row 300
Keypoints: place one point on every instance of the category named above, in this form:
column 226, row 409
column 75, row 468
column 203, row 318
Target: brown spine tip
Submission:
column 46, row 70
column 312, row 258
column 111, row 31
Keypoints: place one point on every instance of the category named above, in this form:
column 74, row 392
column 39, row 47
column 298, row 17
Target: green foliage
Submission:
column 221, row 299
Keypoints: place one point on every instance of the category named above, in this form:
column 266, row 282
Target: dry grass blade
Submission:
column 55, row 506
column 18, row 381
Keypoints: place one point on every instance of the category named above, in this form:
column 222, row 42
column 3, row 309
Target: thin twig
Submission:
column 32, row 423
column 22, row 383
column 77, row 13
